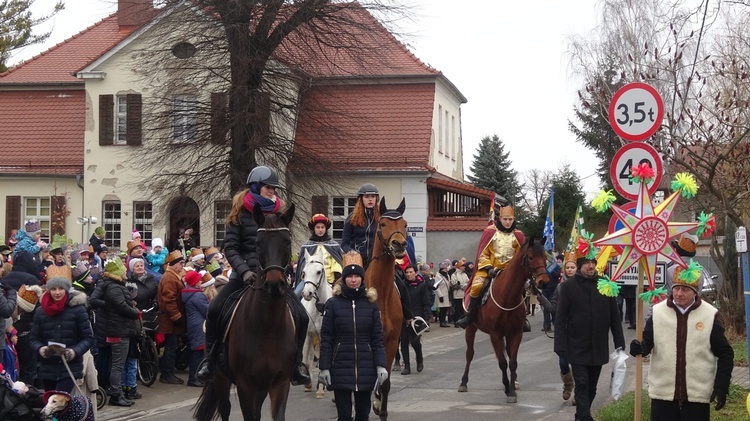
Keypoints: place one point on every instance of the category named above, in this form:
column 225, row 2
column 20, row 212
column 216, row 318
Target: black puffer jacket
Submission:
column 239, row 244
column 115, row 312
column 351, row 344
column 70, row 327
column 146, row 290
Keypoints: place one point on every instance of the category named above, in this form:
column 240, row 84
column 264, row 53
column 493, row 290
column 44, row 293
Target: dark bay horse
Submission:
column 390, row 244
column 261, row 340
column 504, row 313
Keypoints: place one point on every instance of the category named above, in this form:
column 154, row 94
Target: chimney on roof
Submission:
column 134, row 12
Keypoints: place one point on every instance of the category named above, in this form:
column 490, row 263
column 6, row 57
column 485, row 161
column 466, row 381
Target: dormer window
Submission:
column 184, row 50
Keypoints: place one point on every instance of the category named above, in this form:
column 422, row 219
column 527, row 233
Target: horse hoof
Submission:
column 320, row 395
column 518, row 385
column 463, row 388
column 511, row 399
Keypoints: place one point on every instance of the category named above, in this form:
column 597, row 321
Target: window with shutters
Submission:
column 112, row 222
column 342, row 207
column 39, row 208
column 184, row 117
column 121, row 120
column 221, row 211
column 143, row 220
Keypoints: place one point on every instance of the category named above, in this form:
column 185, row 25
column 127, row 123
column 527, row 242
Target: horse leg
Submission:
column 512, row 346
column 251, row 401
column 215, row 396
column 380, row 403
column 498, row 344
column 279, row 393
column 308, row 353
column 471, row 332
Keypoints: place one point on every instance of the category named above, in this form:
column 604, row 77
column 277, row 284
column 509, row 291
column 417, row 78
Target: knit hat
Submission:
column 192, row 277
column 317, row 219
column 28, row 296
column 133, row 261
column 157, row 242
column 353, row 270
column 99, row 231
column 136, row 234
column 445, row 264
column 59, row 282
column 80, row 273
column 115, row 267
column 174, row 257
column 686, row 245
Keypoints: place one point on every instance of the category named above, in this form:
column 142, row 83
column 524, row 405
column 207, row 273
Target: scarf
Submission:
column 52, row 308
column 320, row 239
column 266, row 205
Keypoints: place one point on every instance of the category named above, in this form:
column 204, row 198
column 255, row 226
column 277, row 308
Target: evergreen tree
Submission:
column 17, row 27
column 492, row 170
column 568, row 195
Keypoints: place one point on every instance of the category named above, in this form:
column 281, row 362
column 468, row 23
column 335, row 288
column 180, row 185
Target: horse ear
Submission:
column 307, row 253
column 288, row 216
column 402, row 207
column 383, row 208
column 260, row 219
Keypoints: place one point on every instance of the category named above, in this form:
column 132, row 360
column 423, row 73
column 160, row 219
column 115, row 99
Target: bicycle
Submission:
column 148, row 355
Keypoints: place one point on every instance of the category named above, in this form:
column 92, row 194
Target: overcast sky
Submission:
column 507, row 58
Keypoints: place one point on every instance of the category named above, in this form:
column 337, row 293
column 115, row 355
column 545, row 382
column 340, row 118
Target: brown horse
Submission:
column 390, row 244
column 261, row 340
column 504, row 314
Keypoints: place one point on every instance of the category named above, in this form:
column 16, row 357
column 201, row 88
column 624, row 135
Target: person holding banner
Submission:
column 684, row 329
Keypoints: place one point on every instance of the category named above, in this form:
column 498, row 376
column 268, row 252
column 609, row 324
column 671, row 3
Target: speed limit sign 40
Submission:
column 636, row 111
column 625, row 159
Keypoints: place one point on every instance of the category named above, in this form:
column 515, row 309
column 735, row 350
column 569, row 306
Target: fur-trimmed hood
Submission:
column 76, row 298
column 370, row 293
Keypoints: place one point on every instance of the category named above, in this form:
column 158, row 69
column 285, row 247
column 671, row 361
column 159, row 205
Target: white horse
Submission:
column 315, row 293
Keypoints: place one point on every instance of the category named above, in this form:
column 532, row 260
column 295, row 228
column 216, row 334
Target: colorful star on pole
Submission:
column 647, row 234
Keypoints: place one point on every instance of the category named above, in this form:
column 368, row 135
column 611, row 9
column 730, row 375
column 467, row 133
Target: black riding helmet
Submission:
column 367, row 188
column 265, row 176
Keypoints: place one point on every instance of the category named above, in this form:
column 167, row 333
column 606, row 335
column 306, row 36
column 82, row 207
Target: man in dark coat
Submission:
column 583, row 320
column 419, row 297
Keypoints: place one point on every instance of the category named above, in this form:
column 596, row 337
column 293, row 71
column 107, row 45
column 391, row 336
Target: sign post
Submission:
column 740, row 239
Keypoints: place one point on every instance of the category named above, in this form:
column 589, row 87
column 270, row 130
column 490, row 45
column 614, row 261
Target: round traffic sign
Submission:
column 615, row 224
column 627, row 157
column 636, row 111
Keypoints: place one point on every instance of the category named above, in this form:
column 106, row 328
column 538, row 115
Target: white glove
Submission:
column 69, row 354
column 325, row 377
column 382, row 374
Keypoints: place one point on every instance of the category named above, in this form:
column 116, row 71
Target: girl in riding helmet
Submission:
column 361, row 225
column 240, row 251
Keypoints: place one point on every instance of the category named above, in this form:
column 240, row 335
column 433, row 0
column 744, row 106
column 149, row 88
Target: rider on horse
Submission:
column 241, row 252
column 321, row 240
column 500, row 241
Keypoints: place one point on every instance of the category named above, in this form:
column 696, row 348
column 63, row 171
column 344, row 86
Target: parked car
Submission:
column 711, row 286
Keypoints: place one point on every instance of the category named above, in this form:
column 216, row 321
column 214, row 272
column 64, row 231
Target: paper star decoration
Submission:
column 647, row 234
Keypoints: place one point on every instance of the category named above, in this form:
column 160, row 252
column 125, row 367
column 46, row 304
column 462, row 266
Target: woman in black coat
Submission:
column 242, row 254
column 61, row 318
column 352, row 355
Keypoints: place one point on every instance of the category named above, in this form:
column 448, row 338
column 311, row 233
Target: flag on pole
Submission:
column 577, row 229
column 549, row 223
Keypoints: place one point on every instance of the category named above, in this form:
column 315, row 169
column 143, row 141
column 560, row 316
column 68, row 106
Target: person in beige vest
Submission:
column 691, row 359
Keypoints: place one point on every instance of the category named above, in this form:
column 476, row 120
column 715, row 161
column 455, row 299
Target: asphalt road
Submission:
column 430, row 395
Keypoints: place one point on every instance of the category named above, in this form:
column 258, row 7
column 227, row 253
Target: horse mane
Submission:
column 273, row 220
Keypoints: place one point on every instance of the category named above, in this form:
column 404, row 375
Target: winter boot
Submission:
column 568, row 384
column 470, row 315
column 131, row 393
column 406, row 370
column 118, row 399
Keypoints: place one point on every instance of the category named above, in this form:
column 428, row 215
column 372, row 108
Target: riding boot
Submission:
column 470, row 315
column 300, row 374
column 206, row 367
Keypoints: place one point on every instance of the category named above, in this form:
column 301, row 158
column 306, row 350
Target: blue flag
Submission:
column 549, row 223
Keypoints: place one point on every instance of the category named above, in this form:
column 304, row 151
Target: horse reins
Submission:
column 264, row 270
column 385, row 244
column 533, row 274
column 320, row 279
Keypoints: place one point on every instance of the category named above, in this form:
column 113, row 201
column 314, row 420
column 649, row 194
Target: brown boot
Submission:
column 568, row 384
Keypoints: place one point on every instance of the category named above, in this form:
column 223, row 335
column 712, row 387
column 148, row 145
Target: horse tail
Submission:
column 206, row 408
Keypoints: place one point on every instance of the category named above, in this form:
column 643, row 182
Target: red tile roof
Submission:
column 370, row 127
column 57, row 64
column 353, row 43
column 456, row 224
column 42, row 131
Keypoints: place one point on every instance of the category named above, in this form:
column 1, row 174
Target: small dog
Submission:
column 66, row 407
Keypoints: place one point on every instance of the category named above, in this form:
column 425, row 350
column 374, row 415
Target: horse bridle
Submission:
column 385, row 243
column 264, row 270
column 319, row 280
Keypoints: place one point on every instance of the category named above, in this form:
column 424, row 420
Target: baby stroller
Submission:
column 14, row 407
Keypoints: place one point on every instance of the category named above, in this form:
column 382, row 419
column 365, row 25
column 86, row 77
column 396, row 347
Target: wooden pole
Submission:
column 639, row 337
